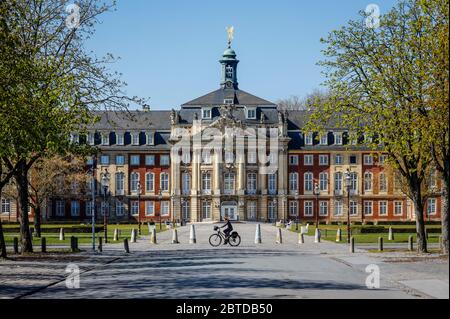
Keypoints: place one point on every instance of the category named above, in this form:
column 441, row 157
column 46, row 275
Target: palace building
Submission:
column 150, row 178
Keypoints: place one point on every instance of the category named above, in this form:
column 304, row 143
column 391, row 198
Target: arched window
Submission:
column 120, row 179
column 383, row 183
column 134, row 180
column 323, row 181
column 293, row 182
column 367, row 181
column 150, row 182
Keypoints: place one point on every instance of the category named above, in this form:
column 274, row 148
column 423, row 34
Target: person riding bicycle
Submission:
column 227, row 230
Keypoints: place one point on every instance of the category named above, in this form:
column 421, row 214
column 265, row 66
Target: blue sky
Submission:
column 170, row 49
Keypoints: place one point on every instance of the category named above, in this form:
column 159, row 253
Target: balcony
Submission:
column 272, row 191
column 338, row 192
column 251, row 191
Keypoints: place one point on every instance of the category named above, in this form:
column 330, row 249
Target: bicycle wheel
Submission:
column 215, row 240
column 235, row 241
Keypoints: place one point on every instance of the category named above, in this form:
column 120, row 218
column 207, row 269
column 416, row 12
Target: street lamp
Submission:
column 105, row 183
column 93, row 202
column 160, row 205
column 348, row 185
column 139, row 207
column 317, row 193
column 274, row 201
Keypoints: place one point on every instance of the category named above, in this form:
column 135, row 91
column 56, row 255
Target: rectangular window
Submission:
column 120, row 209
column 308, row 208
column 353, row 208
column 367, row 181
column 165, row 208
column 382, row 208
column 309, row 139
column 105, row 139
column 368, row 208
column 228, row 101
column 251, row 113
column 398, row 208
column 134, row 208
column 368, row 159
column 91, row 138
column 431, row 207
column 134, row 182
column 338, row 183
column 308, row 182
column 228, row 187
column 251, row 210
column 120, row 160
column 272, row 210
column 186, row 183
column 104, row 160
column 104, row 209
column 293, row 160
column 75, row 208
column 164, row 182
column 338, row 159
column 251, row 183
column 293, row 208
column 293, row 182
column 60, row 208
column 324, row 140
column 164, row 160
column 150, row 160
column 135, row 160
column 120, row 140
column 323, row 159
column 120, row 183
column 150, row 138
column 186, row 210
column 308, row 160
column 251, row 157
column 75, row 138
column 206, row 157
column 89, row 207
column 206, row 210
column 206, row 182
column 338, row 138
column 149, row 208
column 352, row 159
column 6, row 206
column 382, row 159
column 383, row 183
column 323, row 208
column 206, row 113
column 135, row 139
column 338, row 208
column 272, row 183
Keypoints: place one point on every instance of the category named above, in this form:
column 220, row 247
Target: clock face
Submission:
column 228, row 84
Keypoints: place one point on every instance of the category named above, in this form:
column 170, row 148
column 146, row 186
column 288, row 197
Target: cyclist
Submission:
column 227, row 230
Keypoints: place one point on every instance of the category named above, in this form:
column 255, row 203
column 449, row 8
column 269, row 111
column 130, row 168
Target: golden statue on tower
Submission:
column 230, row 31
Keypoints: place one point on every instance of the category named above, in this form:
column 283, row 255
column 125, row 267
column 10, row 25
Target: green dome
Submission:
column 229, row 52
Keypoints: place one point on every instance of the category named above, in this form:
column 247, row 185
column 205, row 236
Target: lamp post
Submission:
column 93, row 203
column 139, row 207
column 160, row 205
column 317, row 193
column 348, row 185
column 274, row 201
column 105, row 183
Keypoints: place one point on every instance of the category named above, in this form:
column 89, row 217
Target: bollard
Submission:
column 338, row 235
column 175, row 236
column 380, row 243
column 125, row 245
column 301, row 238
column 133, row 235
column 317, row 236
column 61, row 234
column 192, row 237
column 43, row 245
column 307, row 227
column 16, row 245
column 258, row 239
column 116, row 235
column 149, row 228
column 100, row 244
column 352, row 244
column 410, row 243
column 279, row 239
column 441, row 244
column 391, row 234
column 153, row 236
column 73, row 246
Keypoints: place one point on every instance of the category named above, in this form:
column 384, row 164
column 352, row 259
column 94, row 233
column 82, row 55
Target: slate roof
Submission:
column 133, row 120
column 217, row 98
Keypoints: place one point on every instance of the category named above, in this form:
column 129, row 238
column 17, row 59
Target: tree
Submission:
column 377, row 78
column 51, row 85
column 296, row 103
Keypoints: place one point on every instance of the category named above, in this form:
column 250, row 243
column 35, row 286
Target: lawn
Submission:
column 83, row 238
column 328, row 232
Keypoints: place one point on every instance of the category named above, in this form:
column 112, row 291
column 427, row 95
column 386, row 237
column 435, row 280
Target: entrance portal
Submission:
column 229, row 211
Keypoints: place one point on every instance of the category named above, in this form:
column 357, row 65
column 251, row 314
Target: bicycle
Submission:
column 215, row 240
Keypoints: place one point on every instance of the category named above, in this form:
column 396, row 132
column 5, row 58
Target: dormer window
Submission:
column 228, row 101
column 91, row 138
column 105, row 139
column 135, row 138
column 150, row 138
column 120, row 139
column 206, row 113
column 75, row 138
column 338, row 138
column 251, row 113
column 324, row 139
column 309, row 139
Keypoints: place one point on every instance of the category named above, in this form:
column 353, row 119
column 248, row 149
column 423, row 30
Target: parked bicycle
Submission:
column 216, row 239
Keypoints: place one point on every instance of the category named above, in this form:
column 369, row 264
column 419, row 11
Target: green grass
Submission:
column 328, row 232
column 83, row 238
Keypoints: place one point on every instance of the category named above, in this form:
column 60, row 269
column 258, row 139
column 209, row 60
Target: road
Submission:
column 267, row 270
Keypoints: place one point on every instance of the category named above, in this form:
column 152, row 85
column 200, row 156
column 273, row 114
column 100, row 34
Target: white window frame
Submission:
column 150, row 182
column 135, row 160
column 164, row 182
column 383, row 205
column 272, row 183
column 74, row 208
column 252, row 182
column 165, row 208
column 120, row 208
column 104, row 160
column 105, row 139
column 293, row 160
column 308, row 208
column 134, row 208
column 340, row 161
column 368, row 181
column 120, row 183
column 206, row 182
column 323, row 160
column 323, row 181
column 150, row 160
column 206, row 210
column 353, row 208
column 293, row 182
column 185, row 183
column 6, row 206
column 88, row 208
column 134, row 180
column 149, row 208
column 91, row 138
column 382, row 180
column 338, row 140
column 293, row 208
column 338, row 208
column 338, row 182
column 135, row 140
column 397, row 205
column 431, row 206
column 120, row 162
column 164, row 160
column 323, row 208
column 150, row 138
column 324, row 139
column 120, row 139
column 206, row 113
column 229, row 181
column 250, row 110
column 309, row 138
column 308, row 182
column 368, row 204
column 368, row 159
column 308, row 159
column 252, row 157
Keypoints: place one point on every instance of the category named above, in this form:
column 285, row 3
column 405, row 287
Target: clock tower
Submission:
column 229, row 68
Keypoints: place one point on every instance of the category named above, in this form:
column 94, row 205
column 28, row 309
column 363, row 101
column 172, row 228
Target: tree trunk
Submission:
column 444, row 216
column 3, row 253
column 420, row 226
column 22, row 184
column 37, row 221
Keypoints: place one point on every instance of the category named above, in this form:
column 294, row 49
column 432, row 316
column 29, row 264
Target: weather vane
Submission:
column 230, row 31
